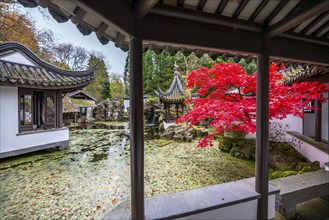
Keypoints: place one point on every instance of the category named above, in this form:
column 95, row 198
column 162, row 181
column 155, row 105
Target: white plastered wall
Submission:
column 9, row 140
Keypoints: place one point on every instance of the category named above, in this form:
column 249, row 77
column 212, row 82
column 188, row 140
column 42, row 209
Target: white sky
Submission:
column 68, row 33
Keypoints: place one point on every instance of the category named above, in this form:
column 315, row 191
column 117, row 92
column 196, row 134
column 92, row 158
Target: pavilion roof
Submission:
column 80, row 94
column 22, row 68
column 306, row 22
column 175, row 93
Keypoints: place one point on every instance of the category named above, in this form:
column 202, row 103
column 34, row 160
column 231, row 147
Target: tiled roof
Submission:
column 40, row 74
column 80, row 94
column 306, row 74
column 175, row 93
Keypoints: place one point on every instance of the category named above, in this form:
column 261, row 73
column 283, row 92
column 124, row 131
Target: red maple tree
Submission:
column 227, row 98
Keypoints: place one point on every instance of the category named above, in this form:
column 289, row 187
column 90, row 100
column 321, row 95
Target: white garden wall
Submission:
column 10, row 139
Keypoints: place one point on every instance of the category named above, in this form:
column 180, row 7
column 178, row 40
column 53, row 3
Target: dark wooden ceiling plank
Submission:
column 320, row 29
column 43, row 3
column 240, row 8
column 201, row 4
column 163, row 29
column 314, row 22
column 101, row 29
column 303, row 4
column 79, row 13
column 304, row 38
column 221, row 6
column 258, row 10
column 276, row 11
column 325, row 35
column 296, row 19
column 321, row 78
column 142, row 7
column 180, row 3
column 209, row 37
column 108, row 10
column 299, row 51
column 197, row 16
column 119, row 40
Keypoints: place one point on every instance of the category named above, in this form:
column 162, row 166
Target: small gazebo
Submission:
column 173, row 97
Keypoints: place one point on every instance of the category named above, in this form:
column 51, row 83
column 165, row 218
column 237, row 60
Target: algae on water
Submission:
column 92, row 176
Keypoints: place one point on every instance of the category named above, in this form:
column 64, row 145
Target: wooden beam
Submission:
column 180, row 33
column 314, row 22
column 262, row 129
column 43, row 3
column 306, row 39
column 163, row 29
column 79, row 13
column 297, row 18
column 101, row 30
column 276, row 11
column 320, row 29
column 221, row 6
column 325, row 35
column 180, row 3
column 108, row 11
column 119, row 40
column 258, row 10
column 208, row 18
column 323, row 78
column 299, row 51
column 142, row 7
column 240, row 8
column 201, row 4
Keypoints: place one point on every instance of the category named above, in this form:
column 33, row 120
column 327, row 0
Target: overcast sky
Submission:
column 68, row 33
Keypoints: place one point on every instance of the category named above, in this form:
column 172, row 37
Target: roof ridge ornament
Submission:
column 176, row 69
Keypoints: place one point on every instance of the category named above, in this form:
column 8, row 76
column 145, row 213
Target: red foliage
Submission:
column 227, row 98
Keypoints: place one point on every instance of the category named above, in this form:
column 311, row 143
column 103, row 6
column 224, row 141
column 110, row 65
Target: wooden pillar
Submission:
column 262, row 130
column 318, row 124
column 59, row 109
column 136, row 125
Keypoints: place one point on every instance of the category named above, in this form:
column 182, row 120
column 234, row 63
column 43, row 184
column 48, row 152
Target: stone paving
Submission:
column 314, row 209
column 298, row 189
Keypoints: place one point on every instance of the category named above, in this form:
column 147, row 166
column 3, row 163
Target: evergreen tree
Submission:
column 100, row 87
column 126, row 75
column 117, row 88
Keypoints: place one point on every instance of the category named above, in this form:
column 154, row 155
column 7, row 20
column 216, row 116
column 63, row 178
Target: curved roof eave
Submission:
column 14, row 46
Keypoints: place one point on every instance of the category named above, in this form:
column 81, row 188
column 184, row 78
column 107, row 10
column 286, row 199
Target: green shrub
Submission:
column 283, row 167
column 276, row 174
column 289, row 173
column 237, row 146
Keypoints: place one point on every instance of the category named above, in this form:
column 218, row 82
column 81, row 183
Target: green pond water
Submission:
column 92, row 176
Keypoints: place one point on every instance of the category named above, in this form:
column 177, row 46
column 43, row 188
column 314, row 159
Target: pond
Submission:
column 91, row 177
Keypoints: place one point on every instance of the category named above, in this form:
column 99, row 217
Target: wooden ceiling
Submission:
column 298, row 29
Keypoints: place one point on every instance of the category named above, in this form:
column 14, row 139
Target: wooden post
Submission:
column 262, row 129
column 136, row 126
column 59, row 109
column 318, row 124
